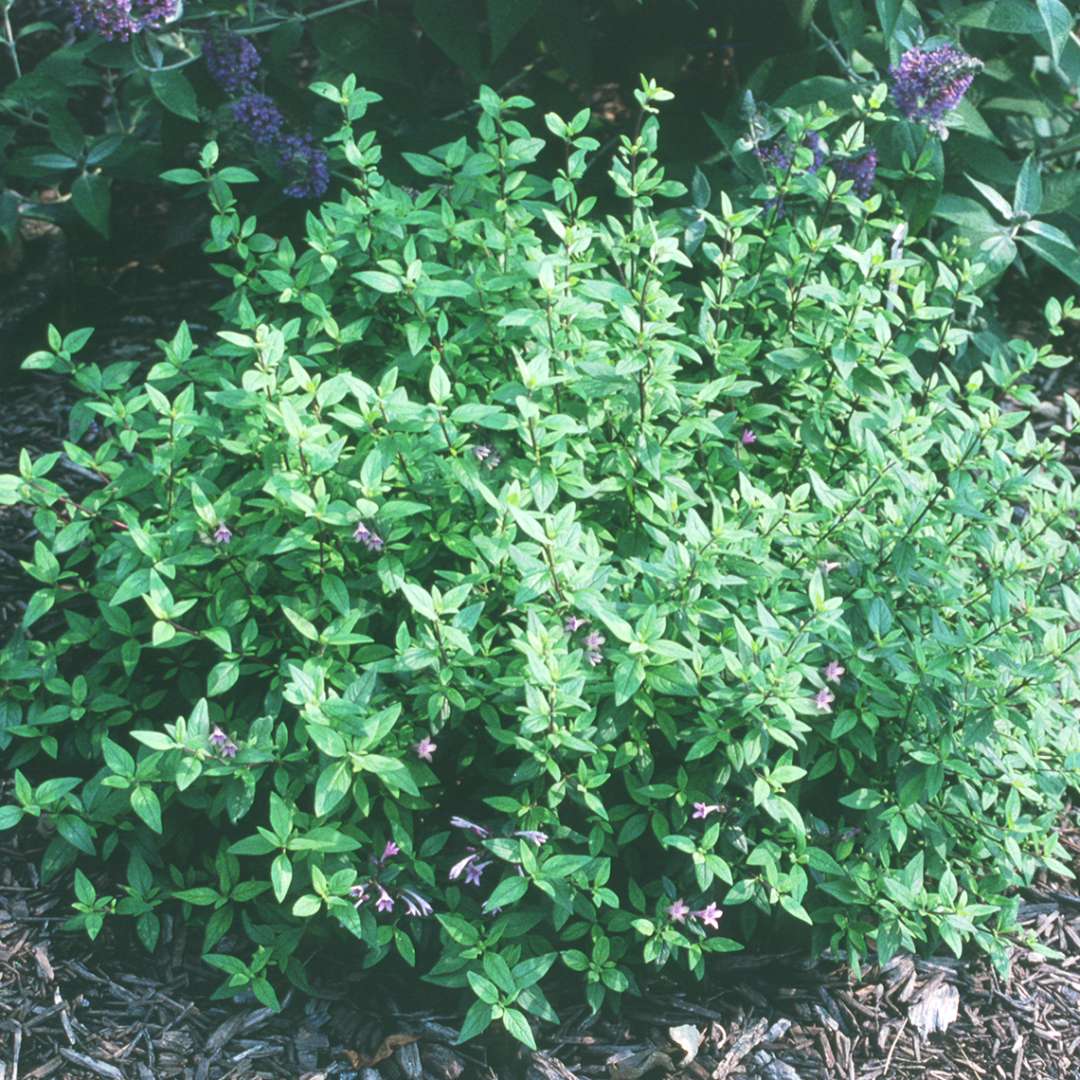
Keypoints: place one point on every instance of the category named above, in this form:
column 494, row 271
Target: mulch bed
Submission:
column 70, row 1008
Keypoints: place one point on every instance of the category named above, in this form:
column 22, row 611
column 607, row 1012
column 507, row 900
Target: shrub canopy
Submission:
column 505, row 583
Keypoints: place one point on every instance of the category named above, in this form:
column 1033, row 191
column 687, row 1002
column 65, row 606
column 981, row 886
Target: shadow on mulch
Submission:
column 69, row 1008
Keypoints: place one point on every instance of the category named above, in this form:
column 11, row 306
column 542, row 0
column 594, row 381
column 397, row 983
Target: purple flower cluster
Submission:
column 862, row 171
column 305, row 164
column 780, row 155
column 117, row 20
column 233, row 62
column 222, row 534
column 415, row 905
column 928, row 83
column 472, row 865
column 260, row 118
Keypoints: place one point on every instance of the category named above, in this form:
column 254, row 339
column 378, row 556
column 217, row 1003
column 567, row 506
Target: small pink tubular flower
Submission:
column 370, row 539
column 703, row 810
column 487, row 455
column 678, row 911
column 828, row 567
column 415, row 904
column 593, row 641
column 389, row 851
column 228, row 751
column 535, row 835
column 823, row 699
column 425, row 748
column 358, row 894
column 462, row 866
column 748, row 438
column 710, row 916
column 222, row 534
column 833, row 671
column 475, row 871
column 217, row 738
column 385, row 901
column 574, row 623
column 464, row 823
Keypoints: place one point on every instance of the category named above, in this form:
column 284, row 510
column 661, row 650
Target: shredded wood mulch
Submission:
column 70, row 1008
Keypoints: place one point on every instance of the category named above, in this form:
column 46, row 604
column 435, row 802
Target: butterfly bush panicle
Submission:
column 305, row 164
column 233, row 62
column 861, row 171
column 780, row 154
column 259, row 117
column 928, row 83
column 118, row 20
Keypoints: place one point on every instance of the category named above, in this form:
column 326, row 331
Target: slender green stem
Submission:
column 9, row 41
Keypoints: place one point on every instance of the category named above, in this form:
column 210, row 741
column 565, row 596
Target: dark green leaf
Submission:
column 91, row 194
column 174, row 91
column 505, row 20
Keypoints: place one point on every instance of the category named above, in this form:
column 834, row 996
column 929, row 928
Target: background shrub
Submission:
column 506, row 585
column 82, row 111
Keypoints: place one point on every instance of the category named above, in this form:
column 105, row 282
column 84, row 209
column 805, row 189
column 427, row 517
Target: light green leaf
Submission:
column 145, row 803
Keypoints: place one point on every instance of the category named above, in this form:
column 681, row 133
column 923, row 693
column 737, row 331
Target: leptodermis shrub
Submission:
column 509, row 584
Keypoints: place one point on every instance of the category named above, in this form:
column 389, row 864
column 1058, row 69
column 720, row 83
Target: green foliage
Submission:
column 513, row 567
